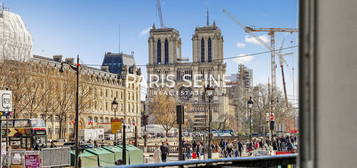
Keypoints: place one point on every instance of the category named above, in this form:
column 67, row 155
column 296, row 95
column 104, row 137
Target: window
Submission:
column 202, row 50
column 166, row 51
column 158, row 50
column 209, row 50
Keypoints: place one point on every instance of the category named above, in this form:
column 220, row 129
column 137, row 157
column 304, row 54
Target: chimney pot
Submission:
column 57, row 58
column 105, row 68
column 69, row 61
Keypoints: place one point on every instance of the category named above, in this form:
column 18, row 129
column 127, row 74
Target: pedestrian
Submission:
column 194, row 145
column 53, row 144
column 222, row 145
column 164, row 151
column 157, row 155
column 96, row 144
column 240, row 148
column 229, row 149
column 198, row 150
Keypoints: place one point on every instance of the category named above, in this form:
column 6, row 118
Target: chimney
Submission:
column 69, row 61
column 105, row 68
column 57, row 58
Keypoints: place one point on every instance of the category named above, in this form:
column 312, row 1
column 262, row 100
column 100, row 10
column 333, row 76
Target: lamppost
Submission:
column 115, row 108
column 250, row 106
column 76, row 68
column 209, row 91
column 144, row 123
column 124, row 143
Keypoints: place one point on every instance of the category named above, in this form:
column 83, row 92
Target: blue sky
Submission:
column 90, row 28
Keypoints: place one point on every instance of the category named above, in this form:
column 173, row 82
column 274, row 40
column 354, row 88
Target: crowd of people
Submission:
column 231, row 148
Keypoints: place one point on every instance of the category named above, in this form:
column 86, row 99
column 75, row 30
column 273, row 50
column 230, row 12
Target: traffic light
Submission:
column 271, row 124
column 144, row 120
column 180, row 114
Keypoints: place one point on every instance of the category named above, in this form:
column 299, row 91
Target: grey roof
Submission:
column 116, row 61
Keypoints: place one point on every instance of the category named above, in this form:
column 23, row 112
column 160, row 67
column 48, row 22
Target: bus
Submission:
column 26, row 134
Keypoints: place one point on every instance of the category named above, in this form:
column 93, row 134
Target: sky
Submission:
column 91, row 27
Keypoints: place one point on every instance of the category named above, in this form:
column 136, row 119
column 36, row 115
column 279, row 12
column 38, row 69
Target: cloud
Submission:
column 144, row 32
column 240, row 45
column 243, row 58
column 253, row 40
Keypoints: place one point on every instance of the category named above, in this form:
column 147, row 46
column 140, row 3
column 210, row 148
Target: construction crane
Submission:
column 271, row 47
column 271, row 33
column 160, row 13
column 282, row 62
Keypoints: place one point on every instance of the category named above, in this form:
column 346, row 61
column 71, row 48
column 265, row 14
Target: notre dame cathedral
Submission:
column 207, row 60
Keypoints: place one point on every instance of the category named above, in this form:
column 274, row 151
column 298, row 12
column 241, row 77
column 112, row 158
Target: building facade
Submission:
column 15, row 39
column 166, row 63
column 98, row 88
column 238, row 91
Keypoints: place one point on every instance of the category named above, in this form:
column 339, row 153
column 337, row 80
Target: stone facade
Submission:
column 207, row 59
column 102, row 87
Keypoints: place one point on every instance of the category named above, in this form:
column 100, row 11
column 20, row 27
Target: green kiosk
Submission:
column 86, row 159
column 134, row 155
column 105, row 157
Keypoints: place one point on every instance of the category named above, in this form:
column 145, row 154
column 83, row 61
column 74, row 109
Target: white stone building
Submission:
column 15, row 39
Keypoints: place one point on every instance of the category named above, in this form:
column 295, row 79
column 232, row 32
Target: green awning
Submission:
column 86, row 159
column 105, row 157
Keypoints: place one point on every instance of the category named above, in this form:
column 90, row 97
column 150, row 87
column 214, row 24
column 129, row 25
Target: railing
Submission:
column 151, row 148
column 282, row 161
column 46, row 157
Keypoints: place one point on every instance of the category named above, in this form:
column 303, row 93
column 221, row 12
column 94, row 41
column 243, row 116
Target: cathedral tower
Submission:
column 164, row 46
column 207, row 44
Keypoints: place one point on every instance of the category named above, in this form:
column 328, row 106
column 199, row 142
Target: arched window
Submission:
column 166, row 51
column 202, row 50
column 209, row 50
column 159, row 51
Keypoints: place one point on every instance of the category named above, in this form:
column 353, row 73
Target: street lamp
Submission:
column 115, row 108
column 209, row 91
column 250, row 106
column 75, row 68
column 124, row 139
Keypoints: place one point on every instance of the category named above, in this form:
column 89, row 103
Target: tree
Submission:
column 65, row 98
column 227, row 123
column 15, row 76
column 188, row 122
column 261, row 106
column 32, row 97
column 49, row 93
column 163, row 108
column 86, row 94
